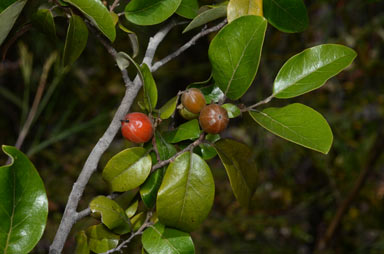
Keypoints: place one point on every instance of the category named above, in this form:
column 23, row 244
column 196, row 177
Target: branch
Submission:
column 373, row 156
column 265, row 101
column 187, row 45
column 123, row 244
column 114, row 5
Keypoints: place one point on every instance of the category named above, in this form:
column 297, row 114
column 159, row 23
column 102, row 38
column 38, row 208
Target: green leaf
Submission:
column 241, row 168
column 166, row 111
column 206, row 17
column 150, row 12
column 98, row 14
column 5, row 3
column 138, row 220
column 148, row 191
column 128, row 169
column 158, row 239
column 122, row 61
column 43, row 19
column 125, row 199
column 8, row 17
column 238, row 8
column 150, row 89
column 186, row 195
column 165, row 149
column 112, row 215
column 206, row 150
column 24, row 204
column 186, row 131
column 82, row 243
column 130, row 212
column 311, row 68
column 235, row 54
column 76, row 40
column 287, row 16
column 299, row 124
column 101, row 239
column 188, row 9
column 233, row 110
column 132, row 38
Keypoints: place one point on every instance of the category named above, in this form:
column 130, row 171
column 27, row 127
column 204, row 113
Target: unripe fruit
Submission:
column 193, row 100
column 186, row 114
column 213, row 119
column 137, row 127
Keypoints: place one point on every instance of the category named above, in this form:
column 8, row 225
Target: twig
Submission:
column 265, row 101
column 123, row 244
column 187, row 45
column 114, row 5
column 25, row 28
column 39, row 93
column 373, row 156
column 155, row 148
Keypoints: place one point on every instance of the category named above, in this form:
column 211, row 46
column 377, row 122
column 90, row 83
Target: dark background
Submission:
column 299, row 190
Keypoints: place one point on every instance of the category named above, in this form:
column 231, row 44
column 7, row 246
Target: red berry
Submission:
column 213, row 119
column 193, row 100
column 137, row 127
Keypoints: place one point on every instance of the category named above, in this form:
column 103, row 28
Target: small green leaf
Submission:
column 211, row 93
column 82, row 243
column 165, row 149
column 150, row 12
column 158, row 239
column 8, row 17
column 186, row 131
column 112, row 215
column 138, row 221
column 24, row 204
column 166, row 111
column 238, row 8
column 76, row 40
column 287, row 16
column 311, row 68
column 130, row 212
column 125, row 199
column 150, row 89
column 98, row 14
column 241, row 168
column 233, row 110
column 122, row 60
column 101, row 239
column 133, row 39
column 186, row 194
column 206, row 150
column 128, row 169
column 206, row 17
column 188, row 9
column 43, row 19
column 148, row 191
column 299, row 124
column 235, row 54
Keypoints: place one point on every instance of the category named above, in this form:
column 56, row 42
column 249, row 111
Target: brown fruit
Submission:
column 213, row 119
column 193, row 100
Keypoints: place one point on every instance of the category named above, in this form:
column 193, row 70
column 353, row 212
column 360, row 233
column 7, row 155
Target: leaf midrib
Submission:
column 289, row 14
column 13, row 213
column 165, row 239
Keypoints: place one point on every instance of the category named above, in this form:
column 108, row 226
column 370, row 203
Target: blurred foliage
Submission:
column 299, row 190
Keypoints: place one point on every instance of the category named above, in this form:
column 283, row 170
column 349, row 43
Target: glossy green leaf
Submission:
column 112, row 215
column 100, row 239
column 43, row 19
column 128, row 169
column 288, row 16
column 76, row 40
column 238, row 8
column 233, row 110
column 98, row 14
column 82, row 243
column 235, row 54
column 150, row 12
column 166, row 111
column 206, row 17
column 186, row 131
column 299, row 124
column 138, row 220
column 241, row 168
column 206, row 150
column 148, row 191
column 23, row 206
column 158, row 239
column 130, row 212
column 150, row 89
column 311, row 68
column 8, row 17
column 186, row 194
column 188, row 9
column 165, row 149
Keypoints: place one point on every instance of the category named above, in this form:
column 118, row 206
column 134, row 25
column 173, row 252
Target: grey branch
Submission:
column 187, row 45
column 265, row 101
